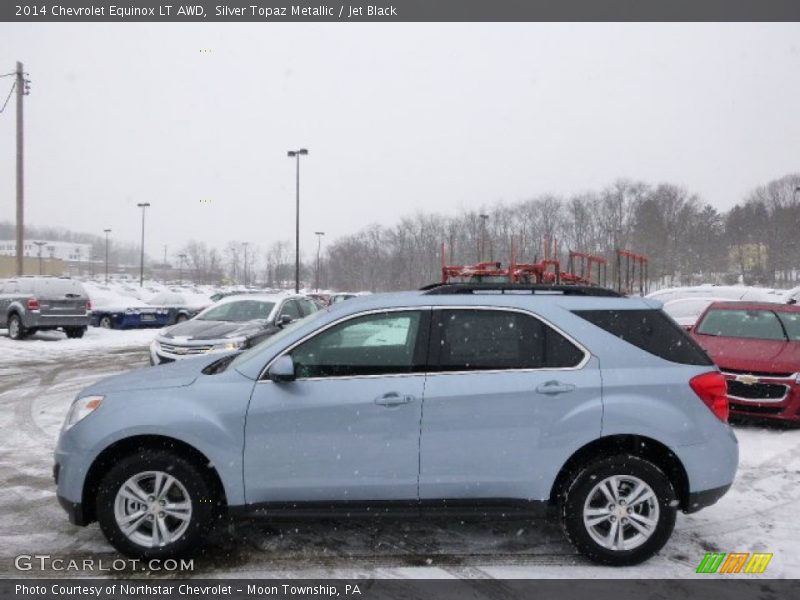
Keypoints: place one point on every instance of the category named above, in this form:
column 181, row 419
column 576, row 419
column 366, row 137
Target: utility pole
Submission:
column 106, row 231
column 483, row 236
column 22, row 91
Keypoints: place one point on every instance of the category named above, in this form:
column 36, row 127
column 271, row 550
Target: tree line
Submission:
column 686, row 240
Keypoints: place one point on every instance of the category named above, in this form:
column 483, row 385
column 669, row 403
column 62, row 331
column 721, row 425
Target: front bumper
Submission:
column 744, row 401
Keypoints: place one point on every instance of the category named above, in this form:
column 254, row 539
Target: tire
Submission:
column 106, row 322
column 15, row 329
column 75, row 332
column 189, row 486
column 181, row 318
column 643, row 534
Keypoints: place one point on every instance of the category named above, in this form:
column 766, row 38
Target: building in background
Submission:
column 66, row 251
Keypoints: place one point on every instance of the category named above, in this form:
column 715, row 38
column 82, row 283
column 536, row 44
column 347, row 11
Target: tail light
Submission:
column 713, row 391
column 33, row 304
column 88, row 305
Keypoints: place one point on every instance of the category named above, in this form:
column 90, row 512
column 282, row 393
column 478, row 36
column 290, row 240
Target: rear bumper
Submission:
column 39, row 321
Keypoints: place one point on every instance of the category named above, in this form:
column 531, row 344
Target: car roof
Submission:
column 745, row 305
column 486, row 298
column 263, row 297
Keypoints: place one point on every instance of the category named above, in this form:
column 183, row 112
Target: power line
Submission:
column 11, row 91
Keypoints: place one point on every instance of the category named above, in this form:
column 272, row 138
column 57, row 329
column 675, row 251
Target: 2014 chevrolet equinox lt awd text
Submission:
column 448, row 397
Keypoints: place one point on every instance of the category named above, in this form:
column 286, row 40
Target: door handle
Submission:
column 393, row 399
column 553, row 388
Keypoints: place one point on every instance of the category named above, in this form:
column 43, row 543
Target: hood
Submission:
column 196, row 329
column 178, row 374
column 766, row 356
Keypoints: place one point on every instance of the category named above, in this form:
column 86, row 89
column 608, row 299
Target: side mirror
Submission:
column 282, row 369
column 283, row 320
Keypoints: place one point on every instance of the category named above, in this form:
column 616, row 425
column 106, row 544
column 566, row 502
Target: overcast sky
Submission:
column 397, row 118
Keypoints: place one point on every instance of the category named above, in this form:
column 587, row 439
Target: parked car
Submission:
column 234, row 323
column 179, row 306
column 111, row 310
column 342, row 296
column 757, row 347
column 31, row 304
column 686, row 311
column 443, row 399
column 729, row 292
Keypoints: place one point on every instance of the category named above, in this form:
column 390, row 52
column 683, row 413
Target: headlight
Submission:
column 232, row 345
column 81, row 408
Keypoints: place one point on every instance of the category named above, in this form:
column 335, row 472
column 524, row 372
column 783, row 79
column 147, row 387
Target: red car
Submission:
column 757, row 347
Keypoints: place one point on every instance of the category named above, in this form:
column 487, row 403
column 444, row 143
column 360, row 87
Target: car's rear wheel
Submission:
column 15, row 329
column 181, row 318
column 75, row 332
column 619, row 510
column 155, row 504
column 106, row 322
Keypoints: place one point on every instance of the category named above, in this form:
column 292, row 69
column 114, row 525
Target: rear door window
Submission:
column 652, row 331
column 481, row 340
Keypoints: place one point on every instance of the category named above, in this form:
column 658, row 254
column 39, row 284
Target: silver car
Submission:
column 417, row 402
column 31, row 304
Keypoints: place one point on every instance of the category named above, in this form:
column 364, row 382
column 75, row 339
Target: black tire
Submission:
column 15, row 329
column 195, row 481
column 583, row 485
column 181, row 318
column 75, row 332
column 106, row 322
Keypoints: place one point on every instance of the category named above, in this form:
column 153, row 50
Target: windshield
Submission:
column 277, row 338
column 244, row 310
column 751, row 324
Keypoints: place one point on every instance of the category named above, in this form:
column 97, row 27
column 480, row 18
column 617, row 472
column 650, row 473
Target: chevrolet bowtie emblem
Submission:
column 747, row 379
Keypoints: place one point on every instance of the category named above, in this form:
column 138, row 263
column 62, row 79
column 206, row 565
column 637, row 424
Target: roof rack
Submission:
column 517, row 288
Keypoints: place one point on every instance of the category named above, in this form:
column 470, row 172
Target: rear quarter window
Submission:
column 650, row 330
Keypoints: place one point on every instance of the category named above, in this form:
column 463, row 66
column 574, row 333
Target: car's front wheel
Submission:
column 619, row 510
column 106, row 322
column 155, row 504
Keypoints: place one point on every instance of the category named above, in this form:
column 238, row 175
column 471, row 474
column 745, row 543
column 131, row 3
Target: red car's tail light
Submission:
column 88, row 305
column 713, row 391
column 33, row 304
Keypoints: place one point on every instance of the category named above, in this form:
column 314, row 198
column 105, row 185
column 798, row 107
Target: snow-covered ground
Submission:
column 40, row 377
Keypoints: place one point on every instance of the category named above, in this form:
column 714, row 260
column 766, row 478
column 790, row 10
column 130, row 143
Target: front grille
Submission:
column 760, row 410
column 757, row 391
column 185, row 350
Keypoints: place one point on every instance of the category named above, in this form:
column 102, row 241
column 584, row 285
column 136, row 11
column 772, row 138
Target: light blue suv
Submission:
column 449, row 398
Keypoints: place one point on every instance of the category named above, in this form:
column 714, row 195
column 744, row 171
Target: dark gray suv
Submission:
column 31, row 304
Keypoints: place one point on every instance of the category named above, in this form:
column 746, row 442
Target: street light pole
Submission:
column 319, row 235
column 182, row 257
column 40, row 244
column 106, row 231
column 143, row 206
column 297, row 154
column 483, row 236
column 244, row 276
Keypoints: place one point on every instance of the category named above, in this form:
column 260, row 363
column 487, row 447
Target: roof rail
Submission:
column 517, row 288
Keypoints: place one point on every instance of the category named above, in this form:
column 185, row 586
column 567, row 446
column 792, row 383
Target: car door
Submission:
column 347, row 429
column 5, row 300
column 507, row 400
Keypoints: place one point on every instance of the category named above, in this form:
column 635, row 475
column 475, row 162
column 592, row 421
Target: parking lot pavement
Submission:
column 39, row 378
